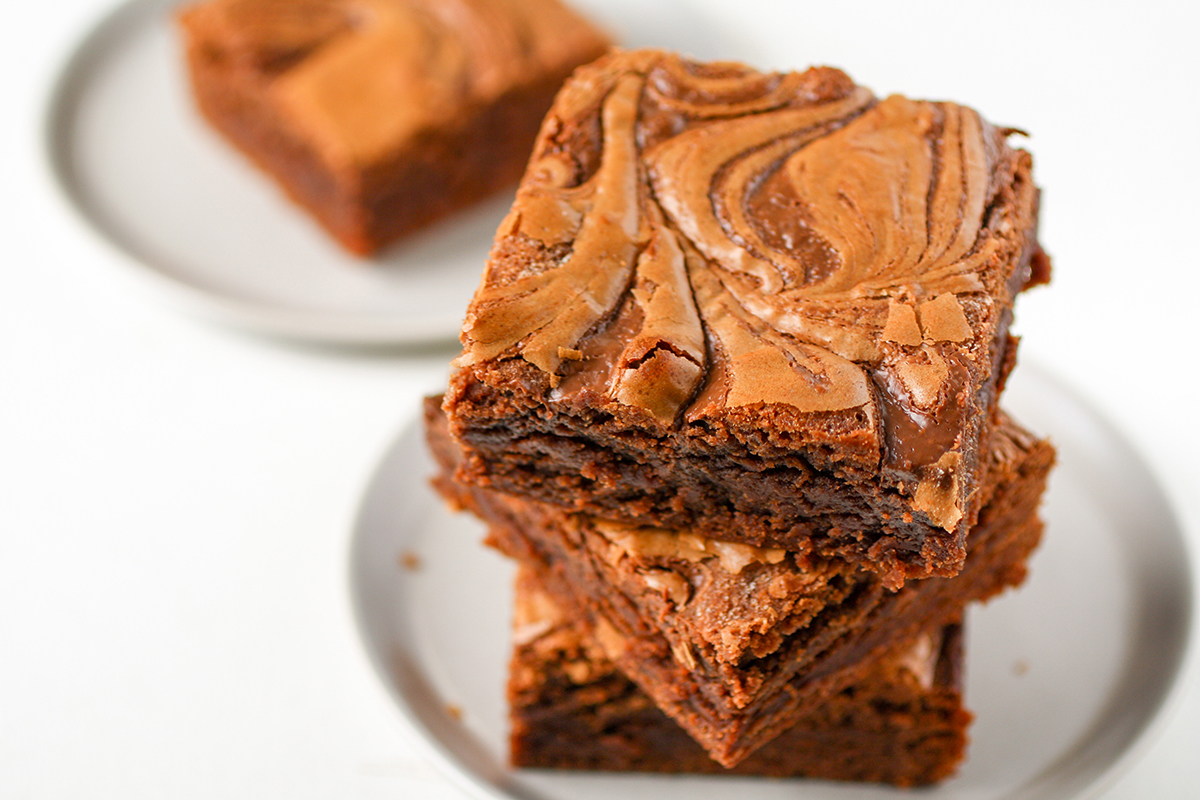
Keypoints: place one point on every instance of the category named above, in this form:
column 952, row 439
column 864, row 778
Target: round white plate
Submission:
column 1065, row 675
column 144, row 171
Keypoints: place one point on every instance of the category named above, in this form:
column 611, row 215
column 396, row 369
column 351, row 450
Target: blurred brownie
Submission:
column 902, row 722
column 380, row 116
column 761, row 307
column 735, row 642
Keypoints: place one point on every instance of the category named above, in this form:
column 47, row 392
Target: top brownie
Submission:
column 766, row 307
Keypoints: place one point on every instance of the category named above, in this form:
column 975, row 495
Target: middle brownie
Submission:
column 735, row 641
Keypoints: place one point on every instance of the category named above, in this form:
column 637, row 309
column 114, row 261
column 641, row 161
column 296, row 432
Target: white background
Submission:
column 176, row 498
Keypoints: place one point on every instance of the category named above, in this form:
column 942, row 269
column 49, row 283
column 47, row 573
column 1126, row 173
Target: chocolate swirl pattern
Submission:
column 754, row 240
column 550, row 311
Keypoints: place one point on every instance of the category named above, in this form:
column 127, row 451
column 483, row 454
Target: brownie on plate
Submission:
column 760, row 307
column 735, row 642
column 380, row 116
column 902, row 722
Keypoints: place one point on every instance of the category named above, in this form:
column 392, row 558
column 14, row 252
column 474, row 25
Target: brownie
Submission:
column 380, row 116
column 902, row 722
column 732, row 641
column 762, row 307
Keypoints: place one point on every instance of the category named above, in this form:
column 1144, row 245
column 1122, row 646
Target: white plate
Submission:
column 144, row 171
column 1065, row 676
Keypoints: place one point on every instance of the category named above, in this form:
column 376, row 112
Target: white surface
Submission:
column 177, row 499
column 1063, row 676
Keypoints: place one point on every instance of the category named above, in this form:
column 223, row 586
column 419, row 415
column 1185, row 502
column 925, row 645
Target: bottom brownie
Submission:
column 901, row 723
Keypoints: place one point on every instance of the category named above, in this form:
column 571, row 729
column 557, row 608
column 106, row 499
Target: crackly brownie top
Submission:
column 364, row 74
column 694, row 241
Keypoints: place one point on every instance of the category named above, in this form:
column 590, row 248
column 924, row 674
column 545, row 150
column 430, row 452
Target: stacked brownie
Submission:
column 728, row 394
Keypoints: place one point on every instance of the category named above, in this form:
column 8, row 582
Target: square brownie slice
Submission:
column 902, row 722
column 761, row 307
column 380, row 116
column 734, row 641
